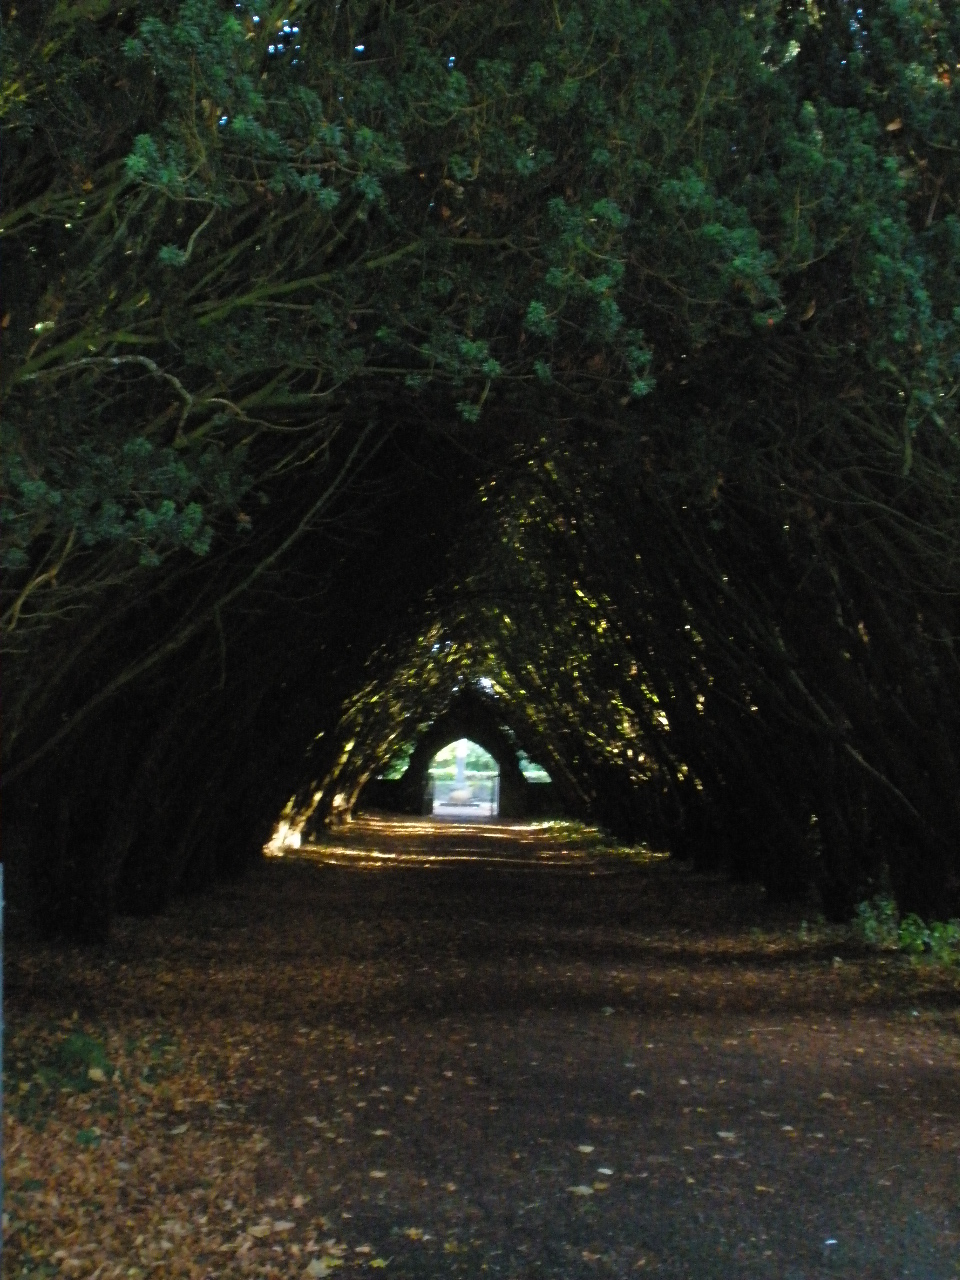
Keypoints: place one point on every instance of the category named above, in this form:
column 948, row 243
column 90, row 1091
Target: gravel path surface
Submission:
column 491, row 1052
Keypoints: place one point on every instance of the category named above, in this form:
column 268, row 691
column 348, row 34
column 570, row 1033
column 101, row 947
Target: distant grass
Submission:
column 592, row 839
column 574, row 833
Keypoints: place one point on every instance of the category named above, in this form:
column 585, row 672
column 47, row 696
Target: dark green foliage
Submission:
column 939, row 941
column 878, row 923
column 74, row 1063
column 606, row 351
column 77, row 1055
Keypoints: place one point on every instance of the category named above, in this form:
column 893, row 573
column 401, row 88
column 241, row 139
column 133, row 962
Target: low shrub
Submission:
column 938, row 941
column 877, row 922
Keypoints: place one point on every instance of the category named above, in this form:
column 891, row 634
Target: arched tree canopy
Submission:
column 604, row 353
column 476, row 712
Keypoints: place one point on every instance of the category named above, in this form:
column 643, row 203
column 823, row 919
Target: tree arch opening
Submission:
column 463, row 782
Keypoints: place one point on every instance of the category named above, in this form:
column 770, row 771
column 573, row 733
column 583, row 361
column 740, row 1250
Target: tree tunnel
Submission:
column 658, row 696
column 477, row 718
column 472, row 723
column 397, row 777
column 648, row 471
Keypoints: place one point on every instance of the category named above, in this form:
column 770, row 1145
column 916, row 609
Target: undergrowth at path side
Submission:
column 879, row 924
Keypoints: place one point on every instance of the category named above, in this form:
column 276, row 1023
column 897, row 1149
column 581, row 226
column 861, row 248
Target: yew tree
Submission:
column 614, row 342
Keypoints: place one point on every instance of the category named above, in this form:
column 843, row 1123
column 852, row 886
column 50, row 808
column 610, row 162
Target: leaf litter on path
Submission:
column 206, row 1096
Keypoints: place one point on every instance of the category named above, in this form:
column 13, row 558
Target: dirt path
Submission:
column 468, row 1053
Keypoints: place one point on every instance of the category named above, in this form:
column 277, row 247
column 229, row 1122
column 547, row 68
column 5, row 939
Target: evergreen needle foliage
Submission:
column 604, row 351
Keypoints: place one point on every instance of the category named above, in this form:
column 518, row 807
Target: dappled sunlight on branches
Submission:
column 599, row 362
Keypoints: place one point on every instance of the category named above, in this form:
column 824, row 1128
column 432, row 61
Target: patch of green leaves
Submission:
column 73, row 1063
column 937, row 942
column 877, row 923
column 876, row 920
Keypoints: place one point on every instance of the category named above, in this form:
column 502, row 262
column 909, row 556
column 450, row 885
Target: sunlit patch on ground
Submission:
column 374, row 841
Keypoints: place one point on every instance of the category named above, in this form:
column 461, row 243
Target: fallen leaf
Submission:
column 321, row 1267
column 377, row 1173
column 97, row 1074
column 585, row 1147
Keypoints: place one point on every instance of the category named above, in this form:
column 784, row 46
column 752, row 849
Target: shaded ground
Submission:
column 480, row 1052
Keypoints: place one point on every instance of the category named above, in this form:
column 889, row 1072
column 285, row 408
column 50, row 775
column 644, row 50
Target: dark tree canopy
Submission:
column 600, row 358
